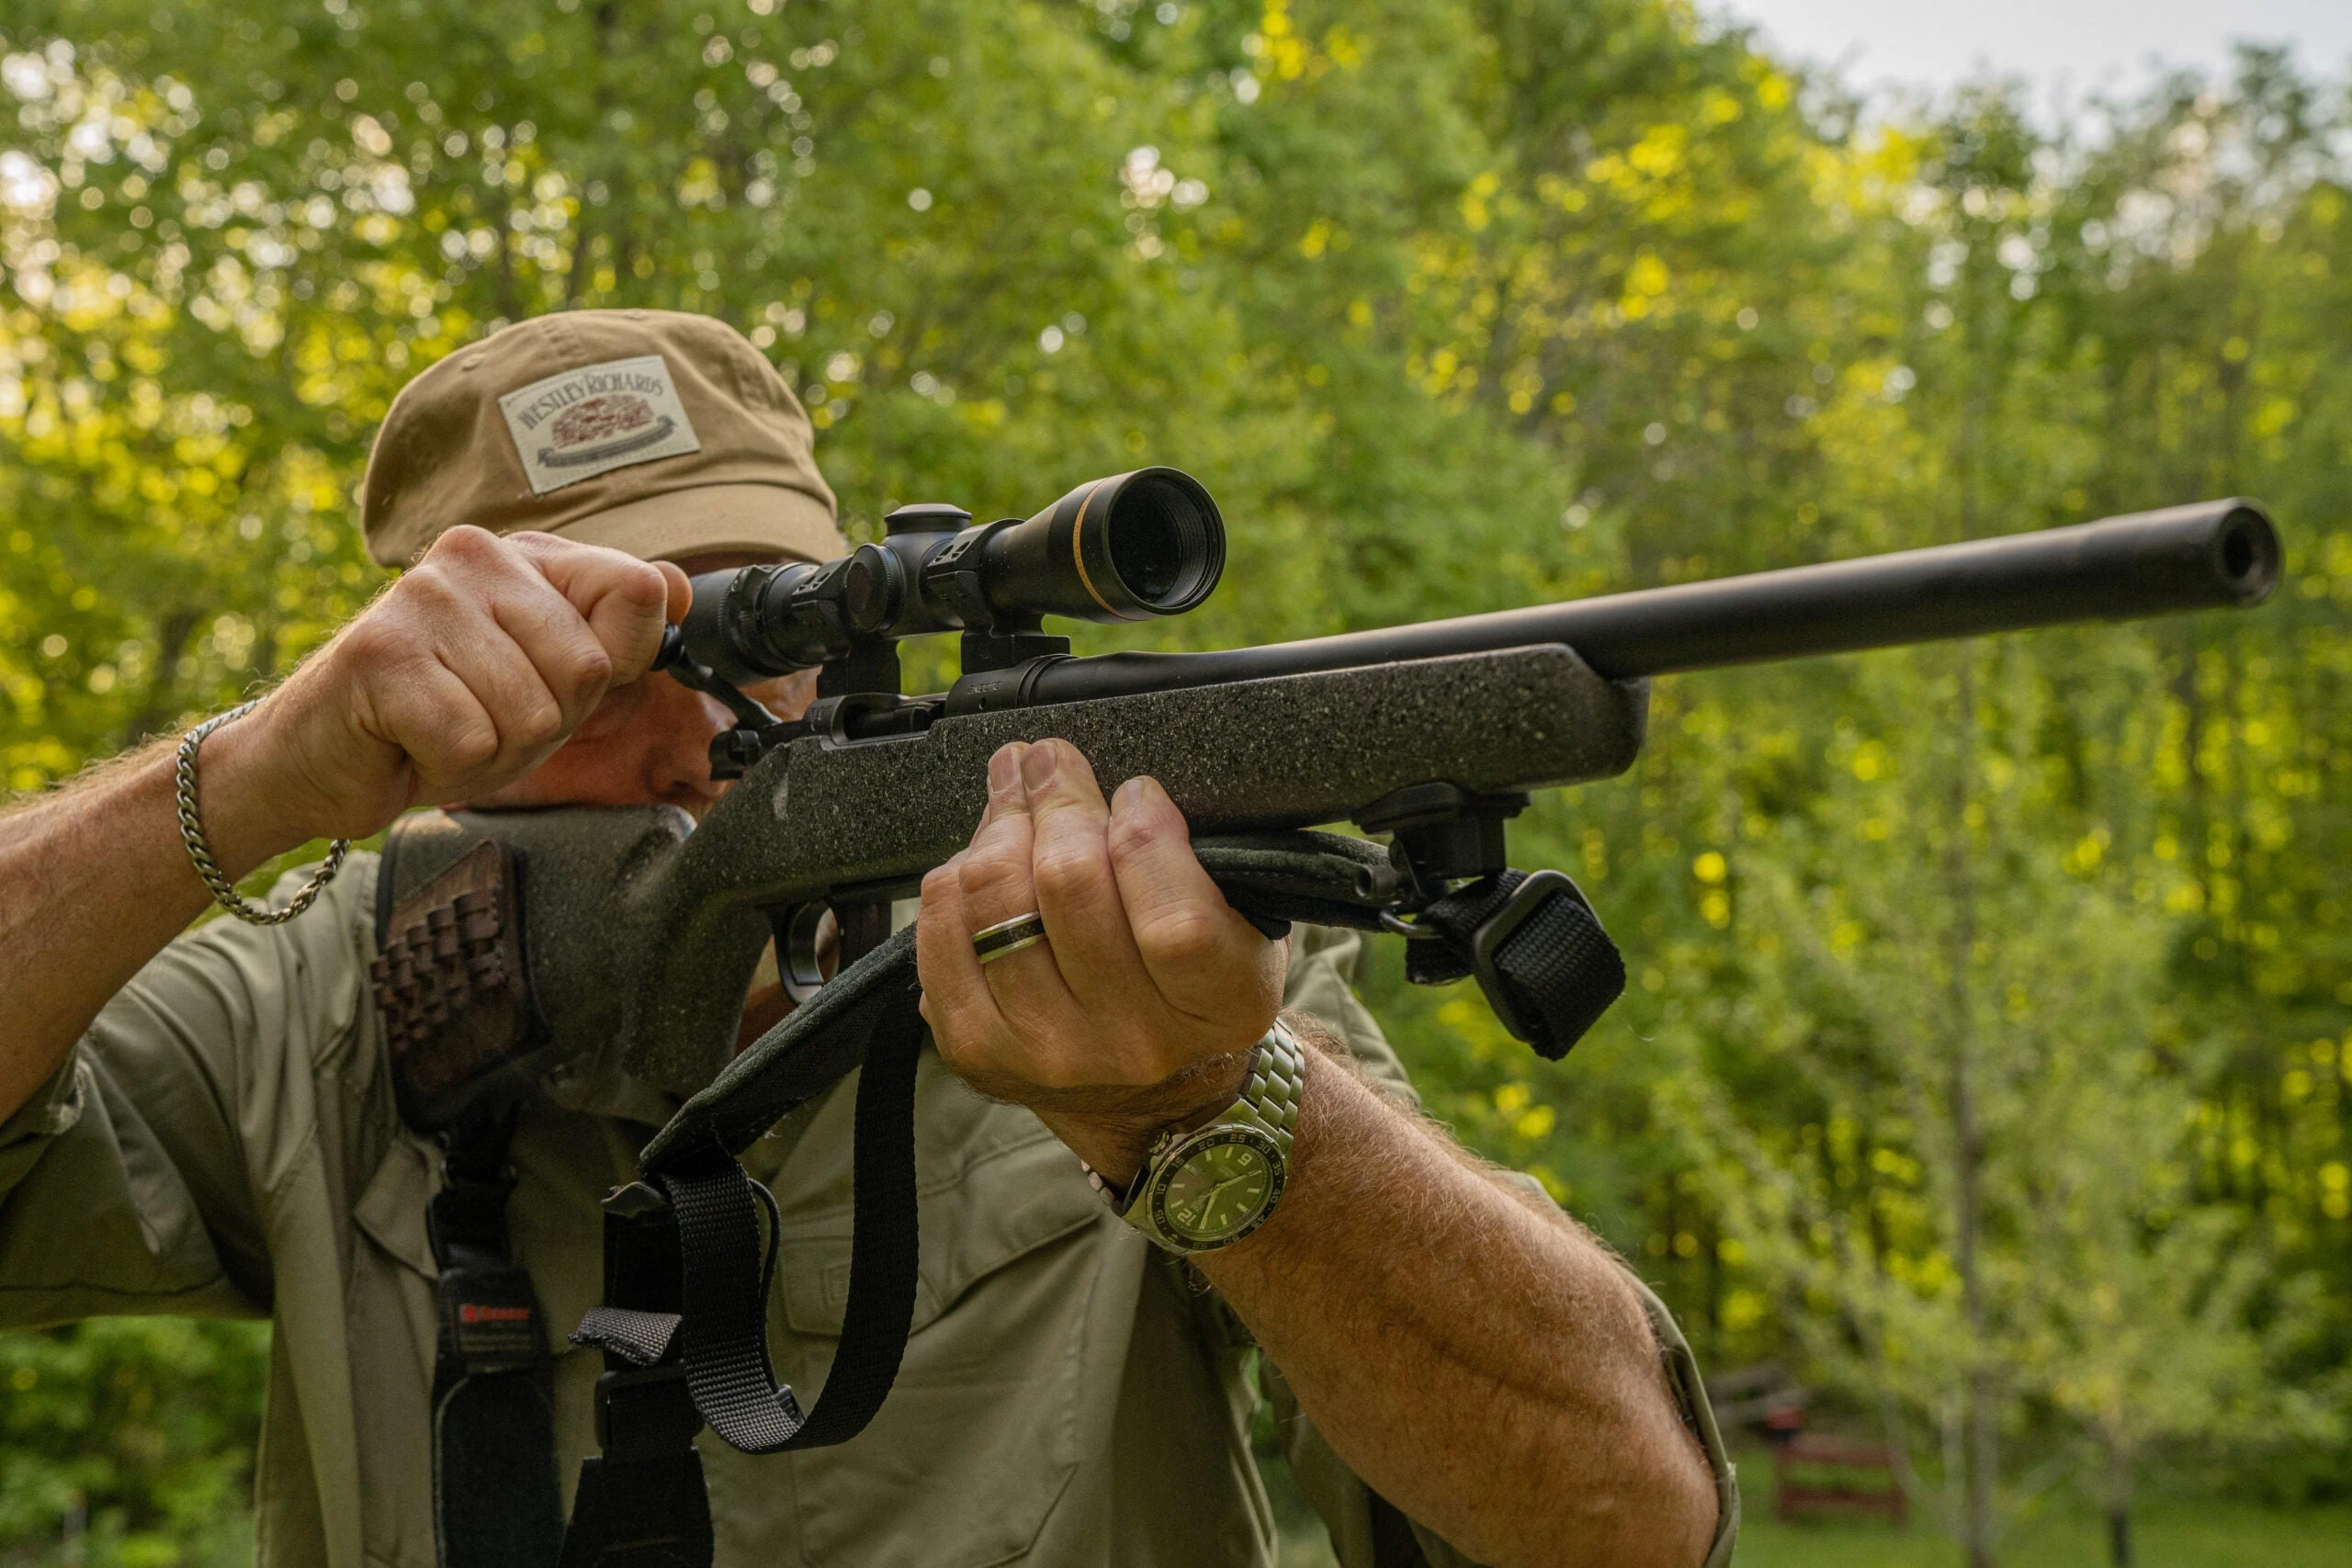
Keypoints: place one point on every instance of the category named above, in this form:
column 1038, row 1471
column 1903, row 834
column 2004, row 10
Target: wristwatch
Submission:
column 1209, row 1187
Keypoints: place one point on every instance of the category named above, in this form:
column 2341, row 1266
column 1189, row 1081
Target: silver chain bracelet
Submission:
column 224, row 892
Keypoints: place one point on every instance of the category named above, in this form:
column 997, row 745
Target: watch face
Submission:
column 1220, row 1188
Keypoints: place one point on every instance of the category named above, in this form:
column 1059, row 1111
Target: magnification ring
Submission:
column 992, row 943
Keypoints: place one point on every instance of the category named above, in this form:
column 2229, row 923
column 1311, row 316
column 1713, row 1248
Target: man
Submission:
column 201, row 1123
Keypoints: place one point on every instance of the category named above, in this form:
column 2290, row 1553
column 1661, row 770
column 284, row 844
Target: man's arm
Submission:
column 1482, row 1365
column 1485, row 1368
column 468, row 672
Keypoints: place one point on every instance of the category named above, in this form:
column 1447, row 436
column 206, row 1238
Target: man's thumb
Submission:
column 681, row 591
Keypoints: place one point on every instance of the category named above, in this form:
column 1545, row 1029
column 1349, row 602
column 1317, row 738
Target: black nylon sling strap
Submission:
column 685, row 1325
column 726, row 1351
column 1529, row 939
column 495, row 1502
column 813, row 1049
column 1537, row 949
column 642, row 1502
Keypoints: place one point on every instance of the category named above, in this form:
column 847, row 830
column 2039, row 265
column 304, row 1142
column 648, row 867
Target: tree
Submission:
column 1982, row 1209
column 1455, row 306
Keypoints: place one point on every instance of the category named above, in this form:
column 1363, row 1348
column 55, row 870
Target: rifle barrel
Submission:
column 2210, row 553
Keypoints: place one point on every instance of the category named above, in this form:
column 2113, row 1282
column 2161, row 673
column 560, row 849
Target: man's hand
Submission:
column 474, row 667
column 1139, row 1010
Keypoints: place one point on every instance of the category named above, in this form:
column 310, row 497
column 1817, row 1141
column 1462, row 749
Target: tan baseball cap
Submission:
column 653, row 432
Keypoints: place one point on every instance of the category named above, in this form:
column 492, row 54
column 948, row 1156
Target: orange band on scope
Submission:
column 1078, row 556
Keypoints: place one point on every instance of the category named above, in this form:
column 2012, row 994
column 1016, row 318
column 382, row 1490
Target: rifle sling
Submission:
column 1536, row 949
column 495, row 1501
column 683, row 1327
column 1529, row 939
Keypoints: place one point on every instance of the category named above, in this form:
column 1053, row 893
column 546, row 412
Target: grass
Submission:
column 225, row 1542
column 2168, row 1533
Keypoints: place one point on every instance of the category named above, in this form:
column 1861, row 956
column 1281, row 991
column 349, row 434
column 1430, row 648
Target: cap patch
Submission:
column 579, row 424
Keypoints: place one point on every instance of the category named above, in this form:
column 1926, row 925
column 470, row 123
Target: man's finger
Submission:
column 625, row 601
column 431, row 715
column 956, row 1000
column 561, row 645
column 996, row 883
column 993, row 876
column 529, row 716
column 1191, row 940
column 680, row 591
column 1077, row 893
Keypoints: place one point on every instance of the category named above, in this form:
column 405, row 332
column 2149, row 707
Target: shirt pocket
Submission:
column 983, row 1428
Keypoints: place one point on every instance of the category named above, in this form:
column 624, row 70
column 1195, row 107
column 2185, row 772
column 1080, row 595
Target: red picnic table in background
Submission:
column 1813, row 1473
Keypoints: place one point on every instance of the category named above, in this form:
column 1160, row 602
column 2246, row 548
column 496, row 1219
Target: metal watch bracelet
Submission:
column 1267, row 1103
column 200, row 851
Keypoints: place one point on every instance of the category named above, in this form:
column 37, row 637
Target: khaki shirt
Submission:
column 224, row 1143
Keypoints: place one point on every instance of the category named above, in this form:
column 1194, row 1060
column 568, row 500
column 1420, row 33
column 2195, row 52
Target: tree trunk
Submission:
column 2119, row 1503
column 608, row 49
column 1980, row 1419
column 1712, row 1238
column 1979, row 1435
column 170, row 641
column 505, row 217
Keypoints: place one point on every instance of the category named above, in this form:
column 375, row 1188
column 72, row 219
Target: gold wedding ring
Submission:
column 992, row 943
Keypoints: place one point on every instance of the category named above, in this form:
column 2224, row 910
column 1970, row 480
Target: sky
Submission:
column 2065, row 46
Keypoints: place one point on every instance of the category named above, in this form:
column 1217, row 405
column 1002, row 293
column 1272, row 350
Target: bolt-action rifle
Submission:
column 1430, row 734
column 635, row 938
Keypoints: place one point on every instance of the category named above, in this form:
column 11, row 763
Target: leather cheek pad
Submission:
column 453, row 992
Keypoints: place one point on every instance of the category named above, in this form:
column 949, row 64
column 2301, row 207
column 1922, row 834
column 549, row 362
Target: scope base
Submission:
column 1003, row 647
column 871, row 666
column 737, row 752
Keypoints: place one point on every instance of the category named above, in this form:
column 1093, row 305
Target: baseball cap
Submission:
column 654, row 432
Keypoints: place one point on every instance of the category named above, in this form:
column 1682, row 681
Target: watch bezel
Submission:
column 1166, row 1168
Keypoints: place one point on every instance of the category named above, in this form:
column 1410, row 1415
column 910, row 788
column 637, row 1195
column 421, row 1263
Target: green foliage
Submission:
column 138, row 1433
column 1455, row 306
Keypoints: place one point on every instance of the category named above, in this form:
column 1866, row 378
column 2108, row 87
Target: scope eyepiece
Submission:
column 1128, row 548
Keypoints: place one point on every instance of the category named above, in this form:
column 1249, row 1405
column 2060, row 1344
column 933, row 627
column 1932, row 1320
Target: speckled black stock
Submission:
column 643, row 936
column 821, row 819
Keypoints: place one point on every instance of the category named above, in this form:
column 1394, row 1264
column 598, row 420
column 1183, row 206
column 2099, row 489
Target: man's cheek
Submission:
column 619, row 706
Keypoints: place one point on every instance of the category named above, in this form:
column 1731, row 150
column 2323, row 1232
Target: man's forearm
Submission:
column 94, row 881
column 1484, row 1368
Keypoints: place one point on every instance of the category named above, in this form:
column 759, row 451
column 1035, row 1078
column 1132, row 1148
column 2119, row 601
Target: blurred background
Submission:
column 1982, row 1100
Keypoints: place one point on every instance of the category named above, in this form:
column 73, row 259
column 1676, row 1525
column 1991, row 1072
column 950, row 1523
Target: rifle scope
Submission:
column 1128, row 548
